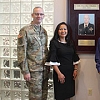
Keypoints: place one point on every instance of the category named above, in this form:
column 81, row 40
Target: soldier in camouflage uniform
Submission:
column 32, row 52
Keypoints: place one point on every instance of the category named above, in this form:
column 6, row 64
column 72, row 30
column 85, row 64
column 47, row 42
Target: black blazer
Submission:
column 89, row 30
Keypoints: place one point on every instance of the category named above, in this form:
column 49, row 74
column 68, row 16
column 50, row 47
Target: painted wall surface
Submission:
column 88, row 77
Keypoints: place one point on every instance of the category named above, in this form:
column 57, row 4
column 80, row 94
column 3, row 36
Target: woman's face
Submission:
column 62, row 32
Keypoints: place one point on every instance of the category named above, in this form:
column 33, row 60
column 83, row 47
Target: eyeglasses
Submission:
column 37, row 14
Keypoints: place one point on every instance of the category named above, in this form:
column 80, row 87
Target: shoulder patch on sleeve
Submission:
column 19, row 36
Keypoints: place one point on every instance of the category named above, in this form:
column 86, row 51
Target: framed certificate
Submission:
column 84, row 20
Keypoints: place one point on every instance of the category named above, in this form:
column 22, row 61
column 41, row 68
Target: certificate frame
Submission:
column 85, row 44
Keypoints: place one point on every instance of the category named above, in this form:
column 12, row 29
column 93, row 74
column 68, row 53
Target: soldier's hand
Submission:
column 27, row 77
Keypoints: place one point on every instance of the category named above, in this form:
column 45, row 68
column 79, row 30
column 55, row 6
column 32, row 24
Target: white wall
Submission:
column 60, row 11
column 88, row 77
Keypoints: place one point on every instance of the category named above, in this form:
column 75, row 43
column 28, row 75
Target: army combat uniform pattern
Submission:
column 32, row 52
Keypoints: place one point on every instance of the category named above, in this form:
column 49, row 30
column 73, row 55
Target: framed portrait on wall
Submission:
column 86, row 24
column 84, row 20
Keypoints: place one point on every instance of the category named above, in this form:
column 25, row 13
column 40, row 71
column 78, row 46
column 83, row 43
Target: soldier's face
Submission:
column 86, row 19
column 38, row 15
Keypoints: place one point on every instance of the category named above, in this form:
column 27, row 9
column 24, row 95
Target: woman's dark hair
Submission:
column 56, row 36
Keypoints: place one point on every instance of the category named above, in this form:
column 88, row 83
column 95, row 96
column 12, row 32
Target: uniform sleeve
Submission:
column 97, row 55
column 21, row 52
column 46, row 50
column 52, row 55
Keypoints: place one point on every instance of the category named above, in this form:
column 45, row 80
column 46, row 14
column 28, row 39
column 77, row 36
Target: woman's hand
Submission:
column 75, row 74
column 61, row 78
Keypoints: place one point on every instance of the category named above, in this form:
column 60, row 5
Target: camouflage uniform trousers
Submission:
column 38, row 86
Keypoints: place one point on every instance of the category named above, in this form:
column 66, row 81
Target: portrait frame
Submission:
column 85, row 44
column 91, row 22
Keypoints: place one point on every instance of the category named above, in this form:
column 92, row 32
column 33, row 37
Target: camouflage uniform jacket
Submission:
column 32, row 48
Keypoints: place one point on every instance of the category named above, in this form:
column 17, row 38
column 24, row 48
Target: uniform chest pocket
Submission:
column 33, row 43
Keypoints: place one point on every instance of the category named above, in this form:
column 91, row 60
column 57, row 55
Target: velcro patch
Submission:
column 20, row 36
